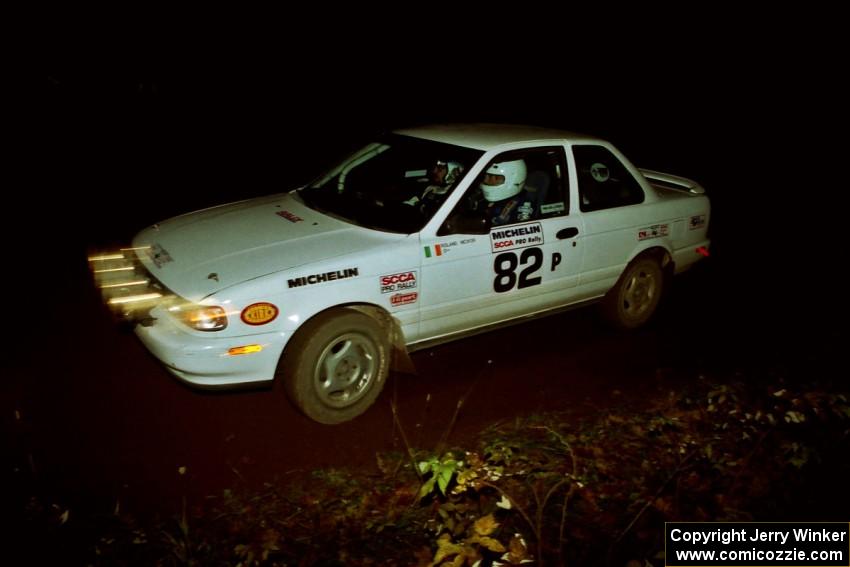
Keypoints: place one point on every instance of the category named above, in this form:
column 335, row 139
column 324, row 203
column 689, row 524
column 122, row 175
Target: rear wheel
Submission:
column 634, row 298
column 336, row 365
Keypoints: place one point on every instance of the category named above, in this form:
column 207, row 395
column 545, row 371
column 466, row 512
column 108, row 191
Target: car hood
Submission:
column 198, row 254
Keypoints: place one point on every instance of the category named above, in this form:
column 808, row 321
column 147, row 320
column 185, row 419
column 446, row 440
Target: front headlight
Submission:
column 201, row 317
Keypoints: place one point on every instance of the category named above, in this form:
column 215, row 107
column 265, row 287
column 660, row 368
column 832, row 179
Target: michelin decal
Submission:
column 325, row 277
column 519, row 236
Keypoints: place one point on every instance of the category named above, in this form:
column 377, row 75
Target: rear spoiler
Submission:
column 673, row 182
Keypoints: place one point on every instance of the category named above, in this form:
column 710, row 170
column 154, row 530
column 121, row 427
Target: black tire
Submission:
column 634, row 299
column 336, row 365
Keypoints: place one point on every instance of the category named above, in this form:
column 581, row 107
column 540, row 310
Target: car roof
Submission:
column 484, row 136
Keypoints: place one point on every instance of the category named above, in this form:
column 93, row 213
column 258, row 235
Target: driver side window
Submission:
column 515, row 187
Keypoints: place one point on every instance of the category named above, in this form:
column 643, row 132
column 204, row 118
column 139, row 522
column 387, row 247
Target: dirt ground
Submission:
column 101, row 423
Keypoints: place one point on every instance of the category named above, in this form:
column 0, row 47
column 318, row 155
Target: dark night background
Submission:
column 126, row 132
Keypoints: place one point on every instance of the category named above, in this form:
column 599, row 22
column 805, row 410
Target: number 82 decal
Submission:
column 506, row 264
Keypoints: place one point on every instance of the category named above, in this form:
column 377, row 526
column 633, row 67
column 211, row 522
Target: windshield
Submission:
column 394, row 185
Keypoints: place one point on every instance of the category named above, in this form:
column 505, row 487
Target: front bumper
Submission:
column 136, row 298
column 204, row 361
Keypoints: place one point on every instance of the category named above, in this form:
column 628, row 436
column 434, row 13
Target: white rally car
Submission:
column 425, row 235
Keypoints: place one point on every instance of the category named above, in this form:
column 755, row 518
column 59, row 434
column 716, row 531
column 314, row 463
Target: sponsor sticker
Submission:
column 291, row 217
column 259, row 313
column 324, row 277
column 403, row 298
column 697, row 221
column 654, row 231
column 516, row 236
column 550, row 208
column 398, row 282
column 159, row 255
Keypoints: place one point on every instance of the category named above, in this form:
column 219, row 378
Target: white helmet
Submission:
column 454, row 172
column 508, row 181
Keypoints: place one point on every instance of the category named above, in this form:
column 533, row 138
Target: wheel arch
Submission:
column 395, row 336
column 627, row 311
column 661, row 254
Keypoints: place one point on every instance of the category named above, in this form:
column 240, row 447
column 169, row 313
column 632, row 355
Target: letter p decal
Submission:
column 556, row 259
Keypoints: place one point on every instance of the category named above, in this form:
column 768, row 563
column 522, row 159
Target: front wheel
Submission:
column 634, row 298
column 336, row 365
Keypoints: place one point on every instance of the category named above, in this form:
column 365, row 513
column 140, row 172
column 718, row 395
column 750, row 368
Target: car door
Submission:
column 616, row 220
column 475, row 273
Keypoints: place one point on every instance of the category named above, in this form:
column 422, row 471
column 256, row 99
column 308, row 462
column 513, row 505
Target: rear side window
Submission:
column 603, row 181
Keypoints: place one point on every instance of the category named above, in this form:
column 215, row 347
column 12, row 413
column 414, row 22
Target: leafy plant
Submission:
column 438, row 472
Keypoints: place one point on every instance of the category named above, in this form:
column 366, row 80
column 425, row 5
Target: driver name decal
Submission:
column 445, row 247
column 517, row 236
column 325, row 277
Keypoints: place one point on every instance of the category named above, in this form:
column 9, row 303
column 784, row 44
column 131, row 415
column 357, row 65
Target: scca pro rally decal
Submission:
column 325, row 277
column 654, row 231
column 517, row 236
column 398, row 282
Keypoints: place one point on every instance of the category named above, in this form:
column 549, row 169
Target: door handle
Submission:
column 566, row 233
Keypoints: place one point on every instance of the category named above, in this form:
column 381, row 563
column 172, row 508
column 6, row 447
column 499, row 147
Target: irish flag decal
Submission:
column 437, row 251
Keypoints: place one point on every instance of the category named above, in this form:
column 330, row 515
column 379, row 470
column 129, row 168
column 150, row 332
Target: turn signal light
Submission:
column 247, row 349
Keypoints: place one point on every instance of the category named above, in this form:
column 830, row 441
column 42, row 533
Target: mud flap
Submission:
column 400, row 360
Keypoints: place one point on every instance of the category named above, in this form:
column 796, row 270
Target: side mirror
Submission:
column 464, row 223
